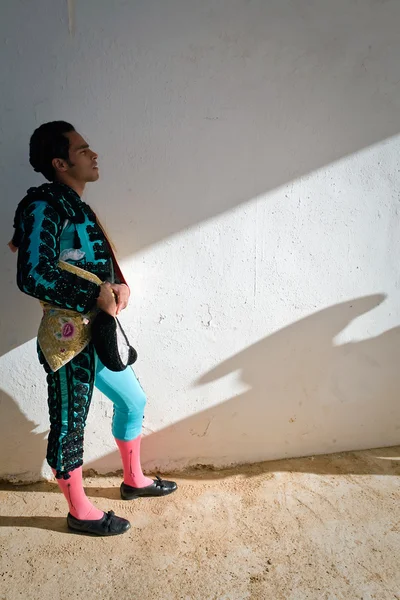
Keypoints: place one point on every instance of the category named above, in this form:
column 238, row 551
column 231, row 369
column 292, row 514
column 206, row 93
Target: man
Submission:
column 52, row 222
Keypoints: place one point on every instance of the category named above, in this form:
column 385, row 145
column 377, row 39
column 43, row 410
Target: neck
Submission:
column 77, row 186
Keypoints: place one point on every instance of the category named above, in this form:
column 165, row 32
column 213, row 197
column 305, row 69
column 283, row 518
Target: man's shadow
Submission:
column 48, row 523
column 22, row 450
column 306, row 395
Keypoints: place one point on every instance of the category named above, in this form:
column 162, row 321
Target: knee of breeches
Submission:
column 133, row 404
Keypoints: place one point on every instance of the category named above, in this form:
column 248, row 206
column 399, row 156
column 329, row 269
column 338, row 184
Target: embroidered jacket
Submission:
column 53, row 223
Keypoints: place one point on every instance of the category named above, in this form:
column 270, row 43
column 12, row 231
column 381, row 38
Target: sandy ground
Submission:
column 321, row 528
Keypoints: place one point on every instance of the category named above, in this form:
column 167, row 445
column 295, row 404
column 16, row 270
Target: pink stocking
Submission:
column 80, row 506
column 130, row 454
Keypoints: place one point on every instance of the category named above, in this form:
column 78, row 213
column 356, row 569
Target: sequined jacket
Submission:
column 54, row 223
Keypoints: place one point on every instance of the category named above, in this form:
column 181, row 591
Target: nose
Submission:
column 94, row 155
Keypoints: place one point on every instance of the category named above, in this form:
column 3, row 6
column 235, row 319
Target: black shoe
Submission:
column 109, row 524
column 159, row 487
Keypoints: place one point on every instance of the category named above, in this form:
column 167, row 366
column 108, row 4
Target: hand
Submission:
column 106, row 299
column 122, row 294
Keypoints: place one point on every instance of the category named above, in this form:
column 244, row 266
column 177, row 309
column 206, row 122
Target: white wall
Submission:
column 250, row 179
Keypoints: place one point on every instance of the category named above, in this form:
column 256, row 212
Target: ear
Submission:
column 59, row 164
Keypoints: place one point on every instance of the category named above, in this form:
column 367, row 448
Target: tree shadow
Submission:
column 306, row 395
column 217, row 103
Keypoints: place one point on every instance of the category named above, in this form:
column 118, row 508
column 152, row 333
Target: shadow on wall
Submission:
column 298, row 378
column 22, row 451
column 217, row 103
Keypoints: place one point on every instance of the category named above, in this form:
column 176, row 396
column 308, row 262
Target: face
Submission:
column 82, row 164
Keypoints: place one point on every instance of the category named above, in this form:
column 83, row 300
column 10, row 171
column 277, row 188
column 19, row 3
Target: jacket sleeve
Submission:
column 38, row 274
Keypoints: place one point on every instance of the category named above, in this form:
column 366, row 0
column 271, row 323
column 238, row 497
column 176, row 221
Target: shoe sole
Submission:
column 92, row 534
column 149, row 496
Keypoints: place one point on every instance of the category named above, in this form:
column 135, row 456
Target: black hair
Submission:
column 48, row 142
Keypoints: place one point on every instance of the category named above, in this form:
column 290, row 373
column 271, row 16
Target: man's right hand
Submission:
column 106, row 299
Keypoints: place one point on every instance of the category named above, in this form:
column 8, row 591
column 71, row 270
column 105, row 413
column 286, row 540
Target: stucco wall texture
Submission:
column 249, row 155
